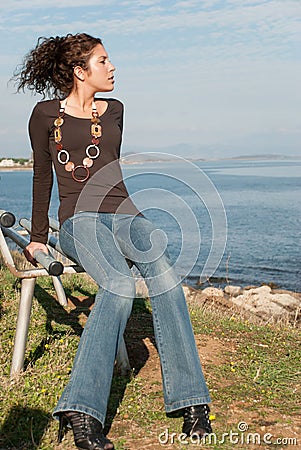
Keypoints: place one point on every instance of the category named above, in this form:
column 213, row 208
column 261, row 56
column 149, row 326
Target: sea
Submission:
column 223, row 222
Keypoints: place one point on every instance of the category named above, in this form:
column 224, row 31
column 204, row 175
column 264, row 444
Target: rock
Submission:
column 187, row 291
column 213, row 292
column 194, row 295
column 141, row 288
column 258, row 306
column 233, row 291
column 262, row 290
column 286, row 300
column 296, row 295
column 262, row 302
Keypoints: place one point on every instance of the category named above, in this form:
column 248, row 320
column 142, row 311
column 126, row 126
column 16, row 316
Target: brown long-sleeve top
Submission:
column 104, row 191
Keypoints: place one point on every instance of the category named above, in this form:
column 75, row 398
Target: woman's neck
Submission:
column 80, row 102
column 79, row 105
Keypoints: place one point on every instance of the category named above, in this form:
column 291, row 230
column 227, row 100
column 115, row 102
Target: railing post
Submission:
column 27, row 290
column 28, row 280
column 60, row 292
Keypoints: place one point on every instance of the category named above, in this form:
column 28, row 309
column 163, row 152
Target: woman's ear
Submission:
column 79, row 73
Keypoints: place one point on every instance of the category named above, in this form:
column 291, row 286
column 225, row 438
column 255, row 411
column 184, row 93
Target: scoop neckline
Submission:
column 88, row 118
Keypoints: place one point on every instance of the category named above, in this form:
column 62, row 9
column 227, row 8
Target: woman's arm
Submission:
column 117, row 113
column 42, row 182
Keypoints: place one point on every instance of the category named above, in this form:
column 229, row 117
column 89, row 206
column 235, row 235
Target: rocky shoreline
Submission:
column 262, row 303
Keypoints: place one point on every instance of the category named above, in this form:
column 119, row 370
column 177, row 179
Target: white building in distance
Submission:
column 7, row 163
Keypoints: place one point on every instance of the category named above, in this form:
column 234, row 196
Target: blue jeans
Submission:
column 100, row 242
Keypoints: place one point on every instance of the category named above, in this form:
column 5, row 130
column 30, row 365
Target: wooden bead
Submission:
column 57, row 135
column 95, row 130
column 87, row 162
column 58, row 122
column 69, row 166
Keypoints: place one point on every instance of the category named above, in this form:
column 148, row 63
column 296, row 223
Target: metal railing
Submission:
column 51, row 266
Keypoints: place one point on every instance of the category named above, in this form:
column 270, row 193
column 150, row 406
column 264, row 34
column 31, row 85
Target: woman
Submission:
column 102, row 229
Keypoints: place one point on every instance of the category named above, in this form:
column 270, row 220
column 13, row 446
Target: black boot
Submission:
column 87, row 431
column 196, row 420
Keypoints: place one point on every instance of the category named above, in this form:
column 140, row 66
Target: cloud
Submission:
column 140, row 3
column 38, row 4
column 260, row 26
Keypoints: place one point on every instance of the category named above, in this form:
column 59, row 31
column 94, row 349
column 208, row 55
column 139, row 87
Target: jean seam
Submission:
column 162, row 356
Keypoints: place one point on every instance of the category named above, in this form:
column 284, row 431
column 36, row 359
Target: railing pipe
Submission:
column 52, row 240
column 52, row 266
column 7, row 219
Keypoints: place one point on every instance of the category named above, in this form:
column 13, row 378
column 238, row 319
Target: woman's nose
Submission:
column 112, row 67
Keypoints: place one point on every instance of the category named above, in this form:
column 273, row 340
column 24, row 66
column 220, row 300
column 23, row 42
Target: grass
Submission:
column 264, row 360
column 252, row 370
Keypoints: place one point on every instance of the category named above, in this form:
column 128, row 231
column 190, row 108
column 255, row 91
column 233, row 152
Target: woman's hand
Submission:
column 31, row 248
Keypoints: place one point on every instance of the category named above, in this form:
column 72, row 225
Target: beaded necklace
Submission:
column 92, row 150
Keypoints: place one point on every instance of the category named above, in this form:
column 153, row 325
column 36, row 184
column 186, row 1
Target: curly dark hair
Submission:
column 48, row 68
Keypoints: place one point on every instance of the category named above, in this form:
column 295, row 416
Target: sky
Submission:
column 198, row 78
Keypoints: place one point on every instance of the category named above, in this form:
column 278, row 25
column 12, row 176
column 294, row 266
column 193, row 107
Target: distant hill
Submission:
column 145, row 156
column 267, row 156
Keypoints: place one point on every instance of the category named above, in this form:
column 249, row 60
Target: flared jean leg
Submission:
column 183, row 379
column 100, row 243
column 92, row 244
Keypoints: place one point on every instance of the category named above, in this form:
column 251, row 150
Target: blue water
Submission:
column 224, row 221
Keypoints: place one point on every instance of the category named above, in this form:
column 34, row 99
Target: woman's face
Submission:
column 100, row 74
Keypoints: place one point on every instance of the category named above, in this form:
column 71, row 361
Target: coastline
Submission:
column 125, row 159
column 16, row 168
